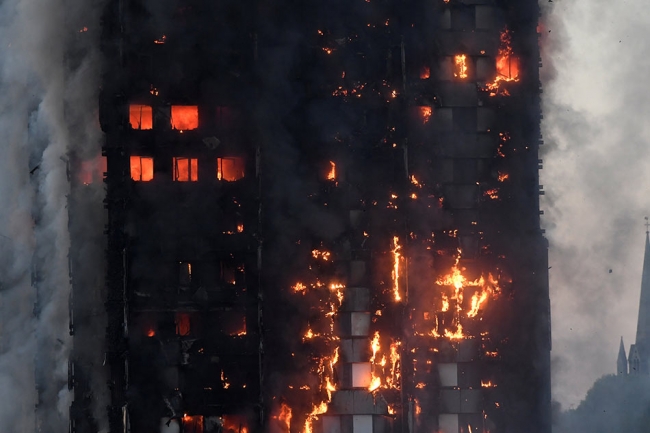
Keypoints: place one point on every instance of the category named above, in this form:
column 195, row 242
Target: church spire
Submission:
column 643, row 324
column 621, row 362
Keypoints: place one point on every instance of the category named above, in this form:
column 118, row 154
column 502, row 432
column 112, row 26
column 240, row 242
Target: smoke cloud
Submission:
column 596, row 174
column 44, row 76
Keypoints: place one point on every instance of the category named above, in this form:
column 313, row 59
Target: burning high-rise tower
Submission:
column 321, row 217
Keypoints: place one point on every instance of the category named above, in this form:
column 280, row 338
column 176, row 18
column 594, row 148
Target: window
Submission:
column 184, row 274
column 186, row 169
column 185, row 117
column 140, row 116
column 230, row 168
column 141, row 168
column 182, row 324
column 92, row 171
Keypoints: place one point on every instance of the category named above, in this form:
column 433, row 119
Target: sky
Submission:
column 596, row 176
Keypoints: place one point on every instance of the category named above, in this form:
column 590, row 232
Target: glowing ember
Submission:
column 323, row 255
column 503, row 176
column 395, row 274
column 488, row 384
column 151, row 332
column 299, row 287
column 425, row 113
column 492, row 193
column 240, row 228
column 425, row 72
column 161, row 40
column 460, row 66
column 415, row 182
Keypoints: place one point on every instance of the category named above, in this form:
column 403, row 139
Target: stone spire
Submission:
column 621, row 363
column 643, row 325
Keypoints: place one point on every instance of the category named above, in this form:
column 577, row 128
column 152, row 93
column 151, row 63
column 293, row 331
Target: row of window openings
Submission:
column 181, row 117
column 187, row 169
column 234, row 325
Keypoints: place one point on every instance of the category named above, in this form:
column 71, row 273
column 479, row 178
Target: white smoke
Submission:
column 37, row 130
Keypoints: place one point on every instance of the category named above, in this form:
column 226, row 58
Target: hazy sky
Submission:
column 597, row 180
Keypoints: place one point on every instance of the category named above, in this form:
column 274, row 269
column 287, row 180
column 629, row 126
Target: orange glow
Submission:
column 92, row 171
column 232, row 424
column 323, row 255
column 151, row 332
column 299, row 287
column 141, row 116
column 488, row 384
column 506, row 64
column 141, row 168
column 395, row 274
column 375, row 383
column 185, row 117
column 503, row 176
column 374, row 345
column 240, row 228
column 460, row 66
column 284, row 417
column 182, row 324
column 193, row 424
column 230, row 168
column 186, row 169
column 477, row 301
column 425, row 72
column 492, row 193
column 425, row 113
column 331, row 175
column 161, row 40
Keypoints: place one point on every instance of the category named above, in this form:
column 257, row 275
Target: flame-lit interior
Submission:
column 186, row 169
column 140, row 116
column 460, row 66
column 141, row 168
column 184, row 117
column 230, row 168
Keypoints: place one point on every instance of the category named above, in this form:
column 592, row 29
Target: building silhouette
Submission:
column 319, row 218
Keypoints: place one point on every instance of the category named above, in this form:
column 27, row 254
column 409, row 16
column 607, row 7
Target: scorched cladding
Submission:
column 324, row 217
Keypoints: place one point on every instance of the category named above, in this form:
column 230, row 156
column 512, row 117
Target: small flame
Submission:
column 425, row 113
column 425, row 72
column 460, row 66
column 395, row 274
column 331, row 175
column 503, row 176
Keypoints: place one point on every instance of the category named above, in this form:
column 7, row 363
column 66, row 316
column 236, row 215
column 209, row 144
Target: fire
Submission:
column 224, row 381
column 323, row 255
column 331, row 175
column 284, row 417
column 391, row 410
column 506, row 64
column 425, row 72
column 503, row 176
column 186, row 169
column 477, row 301
column 415, row 182
column 460, row 66
column 230, row 168
column 375, row 383
column 141, row 168
column 396, row 259
column 445, row 303
column 299, row 287
column 374, row 345
column 425, row 113
column 185, row 117
column 316, row 410
column 488, row 384
column 140, row 116
column 240, row 228
column 160, row 40
column 492, row 193
column 151, row 332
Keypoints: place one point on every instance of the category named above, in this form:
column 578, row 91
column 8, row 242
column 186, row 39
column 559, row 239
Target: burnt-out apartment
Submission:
column 320, row 217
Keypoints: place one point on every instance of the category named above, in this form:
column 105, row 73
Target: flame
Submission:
column 445, row 303
column 375, row 383
column 374, row 345
column 240, row 228
column 503, row 176
column 492, row 193
column 425, row 113
column 230, row 168
column 425, row 72
column 284, row 417
column 151, row 332
column 185, row 117
column 488, row 384
column 331, row 175
column 324, row 255
column 477, row 301
column 395, row 274
column 506, row 64
column 460, row 66
column 391, row 410
column 415, row 182
column 224, row 381
column 160, row 40
column 299, row 287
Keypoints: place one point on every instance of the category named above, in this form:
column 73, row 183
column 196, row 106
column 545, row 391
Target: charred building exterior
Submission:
column 321, row 217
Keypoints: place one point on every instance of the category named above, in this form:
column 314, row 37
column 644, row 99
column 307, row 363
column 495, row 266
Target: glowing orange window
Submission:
column 92, row 171
column 193, row 424
column 508, row 67
column 185, row 117
column 140, row 116
column 186, row 169
column 461, row 63
column 230, row 168
column 141, row 168
column 182, row 324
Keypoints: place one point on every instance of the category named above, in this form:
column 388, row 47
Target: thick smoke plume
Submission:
column 45, row 70
column 596, row 174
